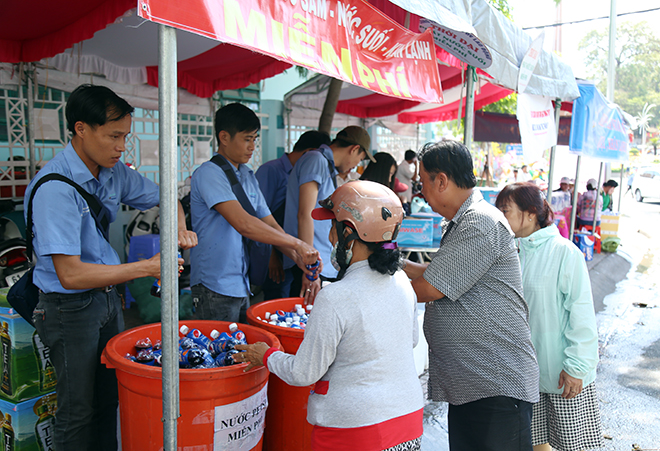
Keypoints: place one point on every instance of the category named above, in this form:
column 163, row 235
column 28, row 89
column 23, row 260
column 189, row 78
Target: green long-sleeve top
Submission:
column 561, row 312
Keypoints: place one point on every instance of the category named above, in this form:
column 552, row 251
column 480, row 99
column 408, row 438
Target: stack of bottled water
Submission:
column 196, row 350
column 294, row 319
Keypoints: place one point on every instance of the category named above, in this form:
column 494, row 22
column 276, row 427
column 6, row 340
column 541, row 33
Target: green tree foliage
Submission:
column 637, row 61
column 503, row 7
column 506, row 106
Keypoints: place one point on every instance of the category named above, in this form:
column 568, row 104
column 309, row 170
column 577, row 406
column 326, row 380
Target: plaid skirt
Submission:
column 410, row 445
column 568, row 424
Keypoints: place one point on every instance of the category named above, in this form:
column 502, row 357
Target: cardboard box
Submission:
column 28, row 425
column 5, row 308
column 416, row 232
column 609, row 226
column 26, row 370
column 437, row 229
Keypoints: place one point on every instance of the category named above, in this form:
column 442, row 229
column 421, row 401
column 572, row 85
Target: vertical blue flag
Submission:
column 597, row 127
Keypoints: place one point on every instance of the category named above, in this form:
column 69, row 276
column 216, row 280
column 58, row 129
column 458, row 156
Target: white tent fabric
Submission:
column 508, row 44
column 305, row 103
column 139, row 96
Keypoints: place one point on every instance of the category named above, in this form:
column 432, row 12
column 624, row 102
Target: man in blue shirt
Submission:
column 76, row 270
column 219, row 265
column 273, row 177
column 314, row 178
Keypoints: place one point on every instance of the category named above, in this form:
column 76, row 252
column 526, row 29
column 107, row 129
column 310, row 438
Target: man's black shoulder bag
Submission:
column 258, row 253
column 23, row 296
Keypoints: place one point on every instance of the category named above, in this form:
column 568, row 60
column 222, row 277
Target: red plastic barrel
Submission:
column 217, row 405
column 287, row 428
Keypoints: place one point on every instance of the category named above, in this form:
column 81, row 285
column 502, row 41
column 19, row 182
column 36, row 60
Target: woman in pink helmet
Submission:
column 358, row 345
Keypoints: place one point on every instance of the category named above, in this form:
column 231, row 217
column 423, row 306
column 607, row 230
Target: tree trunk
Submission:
column 330, row 105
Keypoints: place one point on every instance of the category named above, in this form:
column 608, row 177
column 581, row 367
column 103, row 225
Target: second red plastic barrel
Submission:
column 217, row 405
column 287, row 428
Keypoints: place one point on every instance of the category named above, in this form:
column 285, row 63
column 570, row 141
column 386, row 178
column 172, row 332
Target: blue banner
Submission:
column 597, row 127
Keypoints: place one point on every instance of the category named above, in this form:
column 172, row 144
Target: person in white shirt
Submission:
column 524, row 175
column 408, row 172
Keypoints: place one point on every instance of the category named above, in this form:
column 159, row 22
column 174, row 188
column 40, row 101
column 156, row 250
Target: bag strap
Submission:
column 235, row 185
column 99, row 212
column 331, row 168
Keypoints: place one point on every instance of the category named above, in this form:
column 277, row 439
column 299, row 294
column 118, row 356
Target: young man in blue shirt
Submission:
column 273, row 177
column 314, row 178
column 76, row 270
column 219, row 266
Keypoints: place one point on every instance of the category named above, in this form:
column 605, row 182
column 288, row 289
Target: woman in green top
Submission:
column 608, row 189
column 562, row 321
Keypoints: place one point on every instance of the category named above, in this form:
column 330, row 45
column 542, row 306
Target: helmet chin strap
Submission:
column 342, row 241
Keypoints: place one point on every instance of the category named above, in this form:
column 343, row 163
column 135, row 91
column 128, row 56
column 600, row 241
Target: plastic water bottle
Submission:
column 190, row 357
column 237, row 334
column 217, row 346
column 197, row 336
column 314, row 268
column 225, row 359
column 155, row 288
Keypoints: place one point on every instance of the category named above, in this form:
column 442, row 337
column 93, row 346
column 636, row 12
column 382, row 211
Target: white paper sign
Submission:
column 239, row 426
column 529, row 61
column 536, row 119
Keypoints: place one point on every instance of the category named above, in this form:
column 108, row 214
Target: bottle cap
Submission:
column 296, row 318
column 214, row 334
column 267, row 315
column 184, row 330
column 298, row 307
column 233, row 327
column 309, row 307
column 288, row 320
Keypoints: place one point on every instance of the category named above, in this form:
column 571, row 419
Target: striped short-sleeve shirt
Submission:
column 479, row 340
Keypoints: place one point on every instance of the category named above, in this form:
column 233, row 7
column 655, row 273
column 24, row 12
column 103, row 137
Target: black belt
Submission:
column 107, row 289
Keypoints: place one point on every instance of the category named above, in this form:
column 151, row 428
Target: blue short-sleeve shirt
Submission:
column 218, row 261
column 62, row 221
column 273, row 177
column 313, row 166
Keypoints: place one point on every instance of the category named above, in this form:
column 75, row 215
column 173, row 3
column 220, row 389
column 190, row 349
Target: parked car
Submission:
column 646, row 183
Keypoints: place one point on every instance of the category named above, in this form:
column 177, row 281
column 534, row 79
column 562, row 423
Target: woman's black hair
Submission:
column 385, row 261
column 380, row 170
column 529, row 198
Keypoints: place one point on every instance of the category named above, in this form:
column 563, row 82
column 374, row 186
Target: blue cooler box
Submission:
column 416, row 232
column 585, row 242
column 141, row 247
column 490, row 194
column 437, row 229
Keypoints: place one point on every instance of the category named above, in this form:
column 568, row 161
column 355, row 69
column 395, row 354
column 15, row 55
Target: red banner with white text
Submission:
column 349, row 40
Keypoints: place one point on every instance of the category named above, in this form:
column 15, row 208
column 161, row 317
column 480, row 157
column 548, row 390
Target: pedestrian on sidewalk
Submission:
column 481, row 358
column 563, row 323
column 358, row 345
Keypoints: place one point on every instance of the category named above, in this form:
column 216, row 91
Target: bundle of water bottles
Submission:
column 294, row 319
column 196, row 350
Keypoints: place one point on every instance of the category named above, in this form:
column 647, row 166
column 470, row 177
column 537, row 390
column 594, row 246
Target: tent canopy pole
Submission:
column 167, row 122
column 468, row 130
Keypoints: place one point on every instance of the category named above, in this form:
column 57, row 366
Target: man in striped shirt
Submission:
column 481, row 358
